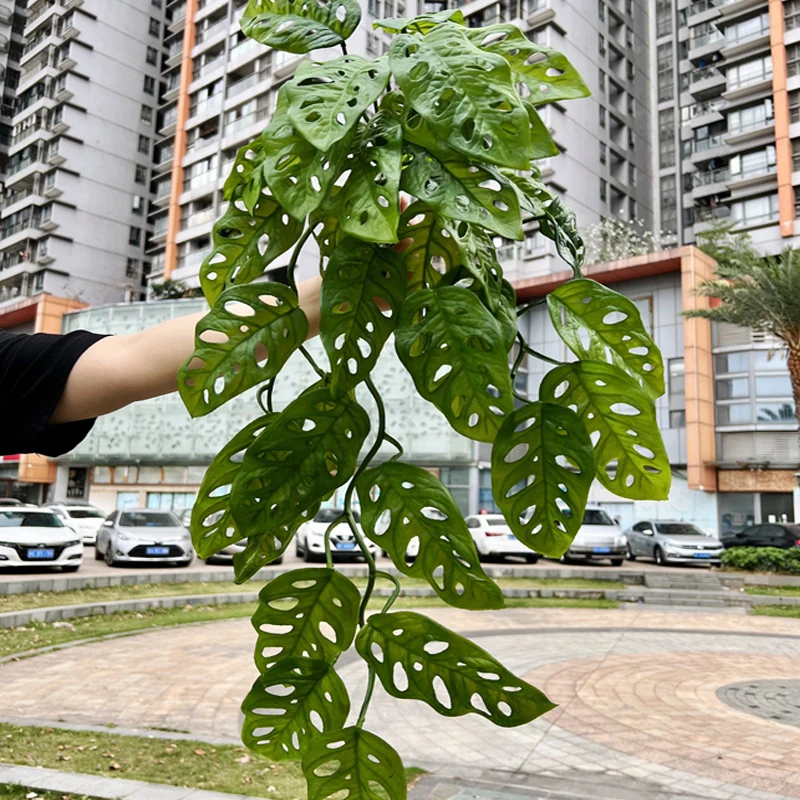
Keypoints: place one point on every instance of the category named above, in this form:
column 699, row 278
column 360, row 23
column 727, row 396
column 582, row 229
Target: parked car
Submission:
column 310, row 537
column 672, row 542
column 10, row 501
column 494, row 539
column 598, row 537
column 86, row 519
column 37, row 536
column 143, row 535
column 769, row 534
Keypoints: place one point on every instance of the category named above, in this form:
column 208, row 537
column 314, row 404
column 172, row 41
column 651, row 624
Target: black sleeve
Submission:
column 33, row 373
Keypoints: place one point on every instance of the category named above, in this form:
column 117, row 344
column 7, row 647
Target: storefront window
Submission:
column 456, row 479
column 169, row 501
column 736, row 512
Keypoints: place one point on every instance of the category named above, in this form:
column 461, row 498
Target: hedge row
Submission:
column 763, row 559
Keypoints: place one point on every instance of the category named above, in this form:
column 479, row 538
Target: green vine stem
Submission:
column 362, row 715
column 316, row 367
column 526, row 308
column 395, row 594
column 292, row 266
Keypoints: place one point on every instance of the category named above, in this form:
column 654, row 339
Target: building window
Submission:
column 456, row 479
column 147, row 115
column 602, row 116
column 791, row 14
column 663, row 17
column 759, row 70
column 666, row 142
column 137, row 206
column 603, row 190
column 132, row 268
column 601, row 45
column 149, row 84
column 629, row 8
column 601, row 10
column 756, row 211
column 631, row 70
column 601, row 80
column 631, row 139
column 677, row 394
column 632, row 174
column 171, row 501
column 144, row 144
column 135, row 236
column 152, row 55
column 38, row 281
column 155, row 27
column 603, row 152
column 141, row 174
column 666, row 85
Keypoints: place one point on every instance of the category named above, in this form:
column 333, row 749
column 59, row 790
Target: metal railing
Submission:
column 13, row 169
column 210, row 104
column 10, row 230
column 751, row 126
column 197, row 219
column 21, row 194
column 701, row 145
column 764, row 75
column 704, row 73
column 755, row 172
column 732, row 41
column 708, row 213
column 246, row 83
column 711, row 176
column 706, row 38
column 209, row 66
column 245, row 122
column 213, row 30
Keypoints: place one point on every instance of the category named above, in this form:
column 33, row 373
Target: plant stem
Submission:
column 266, row 390
column 527, row 308
column 344, row 48
column 316, row 367
column 542, row 357
column 367, row 697
column 395, row 594
column 394, row 443
column 290, row 270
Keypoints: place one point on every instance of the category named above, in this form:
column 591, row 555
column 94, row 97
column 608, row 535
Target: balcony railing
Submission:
column 24, row 224
column 207, row 106
column 202, row 179
column 27, row 132
column 246, row 121
column 13, row 169
column 247, row 83
column 209, row 66
column 36, row 41
column 751, row 126
column 166, row 154
column 15, row 197
column 733, row 41
column 191, row 259
column 247, row 47
column 709, row 213
column 754, row 172
column 706, row 107
column 765, row 74
column 217, row 27
column 43, row 8
column 705, row 73
column 160, row 228
column 706, row 38
column 702, row 5
column 170, row 118
column 163, row 189
column 711, row 176
column 701, row 145
column 198, row 218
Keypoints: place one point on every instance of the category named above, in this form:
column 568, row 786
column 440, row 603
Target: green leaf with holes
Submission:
column 461, row 189
column 367, row 205
column 416, row 658
column 327, row 231
column 362, row 290
column 290, row 704
column 548, row 74
column 599, row 324
column 312, row 449
column 507, row 313
column 212, row 526
column 542, row 144
column 246, row 179
column 560, row 225
column 299, row 175
column 455, row 352
column 423, row 24
column 621, row 420
column 246, row 243
column 532, row 193
column 542, row 470
column 401, row 504
column 310, row 612
column 245, row 340
column 327, row 99
column 300, row 27
column 464, row 93
column 355, row 764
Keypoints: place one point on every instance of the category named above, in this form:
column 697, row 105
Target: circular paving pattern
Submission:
column 776, row 699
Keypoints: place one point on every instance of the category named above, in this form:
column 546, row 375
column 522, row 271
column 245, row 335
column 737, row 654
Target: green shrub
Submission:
column 762, row 559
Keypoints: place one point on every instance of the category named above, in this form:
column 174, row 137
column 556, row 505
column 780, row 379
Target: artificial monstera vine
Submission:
column 404, row 170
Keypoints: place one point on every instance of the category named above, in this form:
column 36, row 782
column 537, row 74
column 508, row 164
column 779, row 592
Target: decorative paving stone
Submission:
column 769, row 699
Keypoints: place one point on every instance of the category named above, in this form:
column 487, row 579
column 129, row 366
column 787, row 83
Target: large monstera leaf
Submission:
column 246, row 243
column 367, row 205
column 326, row 100
column 454, row 350
column 362, row 291
column 423, row 24
column 290, row 704
column 309, row 612
column 416, row 658
column 465, row 94
column 299, row 26
column 401, row 503
column 460, row 189
column 548, row 75
column 542, row 144
column 212, row 526
column 613, row 329
column 355, row 764
column 246, row 179
column 621, row 421
column 542, row 470
column 312, row 449
column 245, row 340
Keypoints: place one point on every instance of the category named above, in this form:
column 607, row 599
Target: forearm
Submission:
column 124, row 369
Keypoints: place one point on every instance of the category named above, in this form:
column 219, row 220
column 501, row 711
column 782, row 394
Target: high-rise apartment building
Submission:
column 727, row 112
column 12, row 26
column 77, row 186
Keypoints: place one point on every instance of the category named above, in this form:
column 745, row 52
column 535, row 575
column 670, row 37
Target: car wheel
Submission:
column 631, row 554
column 660, row 558
column 616, row 562
column 98, row 556
column 532, row 558
column 71, row 568
column 277, row 562
column 298, row 551
column 309, row 557
column 110, row 560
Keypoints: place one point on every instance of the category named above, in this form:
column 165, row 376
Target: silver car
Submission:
column 138, row 535
column 671, row 541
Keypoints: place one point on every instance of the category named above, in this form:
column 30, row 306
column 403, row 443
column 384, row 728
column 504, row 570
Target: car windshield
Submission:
column 331, row 514
column 85, row 513
column 596, row 516
column 495, row 520
column 146, row 519
column 29, row 519
column 678, row 529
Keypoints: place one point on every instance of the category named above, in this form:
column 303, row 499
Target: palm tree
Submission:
column 754, row 291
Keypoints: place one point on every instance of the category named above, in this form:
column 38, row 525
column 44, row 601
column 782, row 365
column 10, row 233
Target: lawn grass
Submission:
column 785, row 591
column 776, row 611
column 8, row 792
column 22, row 602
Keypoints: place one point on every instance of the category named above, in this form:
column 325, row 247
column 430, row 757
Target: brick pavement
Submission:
column 636, row 692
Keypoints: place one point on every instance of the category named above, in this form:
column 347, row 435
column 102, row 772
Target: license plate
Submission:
column 157, row 551
column 41, row 553
column 702, row 555
column 345, row 545
column 511, row 537
column 602, row 550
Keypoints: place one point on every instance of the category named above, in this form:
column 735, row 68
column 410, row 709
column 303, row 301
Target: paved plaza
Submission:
column 652, row 704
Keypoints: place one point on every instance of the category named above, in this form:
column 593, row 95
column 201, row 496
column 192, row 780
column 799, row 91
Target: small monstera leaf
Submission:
column 325, row 100
column 312, row 449
column 560, row 225
column 245, row 243
column 458, row 188
column 245, row 340
column 367, row 205
column 327, row 231
column 290, row 704
column 464, row 93
column 300, row 27
column 212, row 526
column 542, row 144
column 355, row 764
column 416, row 658
column 423, row 24
column 299, row 175
column 532, row 193
column 401, row 503
column 621, row 421
column 310, row 612
column 454, row 350
column 542, row 470
column 362, row 291
column 247, row 178
column 613, row 329
column 548, row 75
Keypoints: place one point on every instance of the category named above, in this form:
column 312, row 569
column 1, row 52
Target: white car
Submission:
column 36, row 536
column 494, row 539
column 141, row 535
column 310, row 538
column 599, row 537
column 84, row 518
